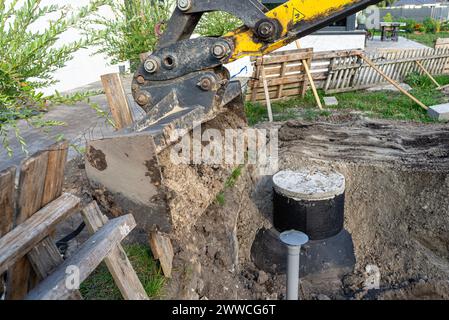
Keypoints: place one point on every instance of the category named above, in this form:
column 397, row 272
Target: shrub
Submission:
column 217, row 24
column 29, row 58
column 132, row 29
column 388, row 17
column 419, row 27
column 409, row 24
column 430, row 25
column 444, row 26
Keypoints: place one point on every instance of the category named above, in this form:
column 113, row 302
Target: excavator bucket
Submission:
column 137, row 170
column 184, row 89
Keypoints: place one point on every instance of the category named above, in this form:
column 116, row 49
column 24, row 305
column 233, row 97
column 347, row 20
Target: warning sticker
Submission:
column 297, row 15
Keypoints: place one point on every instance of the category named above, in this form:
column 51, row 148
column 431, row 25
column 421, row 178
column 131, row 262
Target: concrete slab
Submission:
column 390, row 87
column 439, row 112
column 403, row 44
column 330, row 101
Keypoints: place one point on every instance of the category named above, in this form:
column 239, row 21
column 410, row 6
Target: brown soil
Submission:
column 397, row 211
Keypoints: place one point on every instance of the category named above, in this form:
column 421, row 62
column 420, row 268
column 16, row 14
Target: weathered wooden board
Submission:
column 90, row 255
column 29, row 200
column 17, row 243
column 117, row 261
column 54, row 178
column 163, row 251
column 117, row 100
column 7, row 192
column 45, row 258
column 41, row 180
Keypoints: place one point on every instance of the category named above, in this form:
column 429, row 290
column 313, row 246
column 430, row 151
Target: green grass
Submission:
column 381, row 104
column 100, row 284
column 427, row 39
column 229, row 184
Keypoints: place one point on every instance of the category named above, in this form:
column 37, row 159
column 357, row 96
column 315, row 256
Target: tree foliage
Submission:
column 29, row 58
column 217, row 24
column 131, row 31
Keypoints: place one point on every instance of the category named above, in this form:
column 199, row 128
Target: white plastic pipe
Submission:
column 293, row 272
column 293, row 240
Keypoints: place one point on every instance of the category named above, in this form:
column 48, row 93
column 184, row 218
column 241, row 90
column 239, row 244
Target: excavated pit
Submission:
column 397, row 212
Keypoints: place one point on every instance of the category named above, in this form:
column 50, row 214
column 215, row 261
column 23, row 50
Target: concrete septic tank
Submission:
column 310, row 201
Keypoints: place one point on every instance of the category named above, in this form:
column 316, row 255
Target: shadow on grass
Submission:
column 101, row 286
column 380, row 104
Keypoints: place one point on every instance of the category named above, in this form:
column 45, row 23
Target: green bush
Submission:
column 388, row 17
column 444, row 26
column 409, row 24
column 132, row 29
column 29, row 58
column 217, row 24
column 430, row 25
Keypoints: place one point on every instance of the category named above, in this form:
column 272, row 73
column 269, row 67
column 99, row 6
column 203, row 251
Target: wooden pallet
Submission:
column 285, row 75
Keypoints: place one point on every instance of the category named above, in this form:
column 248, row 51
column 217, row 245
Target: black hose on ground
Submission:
column 63, row 244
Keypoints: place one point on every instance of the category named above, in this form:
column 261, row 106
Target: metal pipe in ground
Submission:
column 293, row 240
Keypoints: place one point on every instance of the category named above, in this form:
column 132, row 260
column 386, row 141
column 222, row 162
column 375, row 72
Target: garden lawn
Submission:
column 427, row 39
column 380, row 104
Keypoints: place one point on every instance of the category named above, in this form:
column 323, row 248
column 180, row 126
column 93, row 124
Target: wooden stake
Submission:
column 309, row 75
column 428, row 73
column 394, row 83
column 267, row 93
column 117, row 100
column 117, row 261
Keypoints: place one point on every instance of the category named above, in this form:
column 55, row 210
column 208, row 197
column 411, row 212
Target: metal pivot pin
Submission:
column 293, row 240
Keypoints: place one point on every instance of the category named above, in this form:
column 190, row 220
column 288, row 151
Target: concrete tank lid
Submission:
column 309, row 184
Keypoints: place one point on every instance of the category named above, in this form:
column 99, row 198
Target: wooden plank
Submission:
column 90, row 255
column 282, row 75
column 7, row 201
column 7, row 188
column 17, row 243
column 117, row 261
column 394, row 83
column 427, row 73
column 267, row 94
column 54, row 178
column 325, row 55
column 30, row 193
column 117, row 100
column 45, row 258
column 162, row 250
column 307, row 64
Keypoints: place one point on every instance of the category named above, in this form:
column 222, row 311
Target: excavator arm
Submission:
column 191, row 71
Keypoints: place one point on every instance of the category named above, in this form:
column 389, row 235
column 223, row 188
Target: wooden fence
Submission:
column 339, row 71
column 443, row 43
column 350, row 73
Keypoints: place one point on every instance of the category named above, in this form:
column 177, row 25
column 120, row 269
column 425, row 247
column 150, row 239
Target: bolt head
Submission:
column 219, row 50
column 140, row 80
column 265, row 29
column 142, row 99
column 205, row 84
column 184, row 5
column 151, row 65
